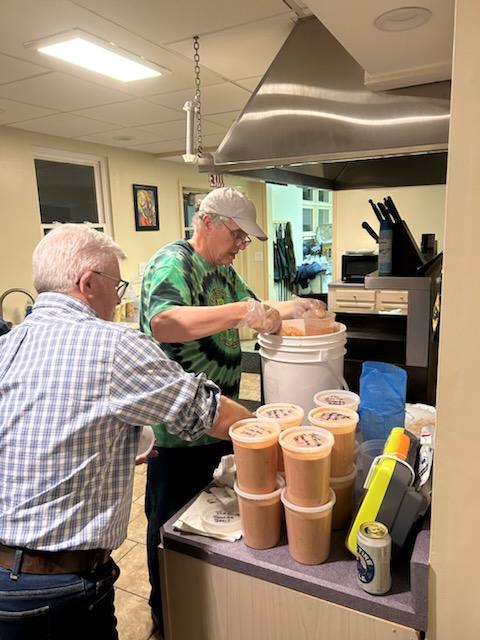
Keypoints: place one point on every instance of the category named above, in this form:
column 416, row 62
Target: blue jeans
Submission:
column 59, row 606
column 174, row 478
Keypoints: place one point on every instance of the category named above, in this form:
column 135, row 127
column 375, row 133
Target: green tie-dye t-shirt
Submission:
column 177, row 276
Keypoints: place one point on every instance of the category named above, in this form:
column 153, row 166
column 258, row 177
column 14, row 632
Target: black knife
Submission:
column 370, row 231
column 392, row 208
column 385, row 213
column 376, row 211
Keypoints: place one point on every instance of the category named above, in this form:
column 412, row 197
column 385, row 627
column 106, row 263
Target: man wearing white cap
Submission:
column 193, row 302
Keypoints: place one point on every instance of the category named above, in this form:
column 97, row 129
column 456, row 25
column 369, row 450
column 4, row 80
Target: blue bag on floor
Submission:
column 383, row 391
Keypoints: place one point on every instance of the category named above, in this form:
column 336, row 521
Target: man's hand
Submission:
column 229, row 412
column 300, row 307
column 144, row 459
column 261, row 317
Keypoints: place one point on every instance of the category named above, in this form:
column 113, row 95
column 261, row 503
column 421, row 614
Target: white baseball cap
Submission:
column 231, row 203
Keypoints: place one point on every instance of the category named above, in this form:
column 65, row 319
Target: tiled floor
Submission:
column 133, row 587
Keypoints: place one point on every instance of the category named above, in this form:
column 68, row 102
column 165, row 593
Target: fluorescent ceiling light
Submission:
column 91, row 53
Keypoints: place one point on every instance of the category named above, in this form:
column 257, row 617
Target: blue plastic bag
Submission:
column 383, row 391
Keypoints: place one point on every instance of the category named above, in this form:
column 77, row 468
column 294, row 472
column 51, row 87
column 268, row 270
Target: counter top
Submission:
column 346, row 285
column 334, row 581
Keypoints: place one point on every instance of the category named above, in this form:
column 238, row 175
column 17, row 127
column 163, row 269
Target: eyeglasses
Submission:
column 239, row 236
column 121, row 286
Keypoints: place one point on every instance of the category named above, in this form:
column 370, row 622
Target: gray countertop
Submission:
column 335, row 580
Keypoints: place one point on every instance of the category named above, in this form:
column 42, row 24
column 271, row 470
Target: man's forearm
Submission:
column 285, row 308
column 182, row 324
column 228, row 413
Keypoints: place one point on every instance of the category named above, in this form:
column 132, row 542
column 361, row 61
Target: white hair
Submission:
column 66, row 253
column 197, row 218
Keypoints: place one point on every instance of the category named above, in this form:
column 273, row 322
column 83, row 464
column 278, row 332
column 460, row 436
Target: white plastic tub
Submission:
column 296, row 367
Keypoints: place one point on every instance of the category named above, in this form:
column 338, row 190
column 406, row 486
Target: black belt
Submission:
column 41, row 562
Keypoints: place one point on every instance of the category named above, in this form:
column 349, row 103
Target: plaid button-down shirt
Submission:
column 72, row 389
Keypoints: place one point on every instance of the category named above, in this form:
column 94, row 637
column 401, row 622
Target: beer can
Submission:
column 373, row 558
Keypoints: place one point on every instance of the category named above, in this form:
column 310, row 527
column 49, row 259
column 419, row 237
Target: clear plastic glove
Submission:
column 261, row 317
column 310, row 307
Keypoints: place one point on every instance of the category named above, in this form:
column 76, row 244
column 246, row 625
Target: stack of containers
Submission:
column 336, row 412
column 307, row 497
column 258, row 485
column 286, row 415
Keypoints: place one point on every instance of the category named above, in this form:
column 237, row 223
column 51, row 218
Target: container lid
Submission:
column 336, row 397
column 262, row 496
column 335, row 481
column 280, row 411
column 295, row 507
column 332, row 417
column 253, row 430
column 306, row 439
column 218, row 520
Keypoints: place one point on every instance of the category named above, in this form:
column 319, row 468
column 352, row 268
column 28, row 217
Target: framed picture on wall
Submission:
column 145, row 202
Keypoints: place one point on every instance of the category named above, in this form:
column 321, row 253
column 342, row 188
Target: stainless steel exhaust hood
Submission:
column 312, row 106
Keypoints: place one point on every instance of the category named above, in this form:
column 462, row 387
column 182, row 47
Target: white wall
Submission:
column 20, row 227
column 454, row 593
column 423, row 208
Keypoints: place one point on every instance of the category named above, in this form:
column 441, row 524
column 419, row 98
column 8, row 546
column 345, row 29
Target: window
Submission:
column 317, row 230
column 308, row 220
column 316, row 222
column 71, row 188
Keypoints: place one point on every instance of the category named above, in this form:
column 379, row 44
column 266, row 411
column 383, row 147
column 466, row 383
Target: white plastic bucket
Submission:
column 296, row 367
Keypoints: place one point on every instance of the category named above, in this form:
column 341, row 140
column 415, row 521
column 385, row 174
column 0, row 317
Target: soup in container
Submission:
column 344, row 492
column 261, row 516
column 337, row 398
column 306, row 453
column 309, row 530
column 341, row 423
column 255, row 449
column 286, row 415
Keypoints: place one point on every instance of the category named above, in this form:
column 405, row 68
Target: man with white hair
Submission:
column 74, row 389
column 192, row 303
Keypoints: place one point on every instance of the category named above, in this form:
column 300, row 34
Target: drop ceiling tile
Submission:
column 132, row 113
column 12, row 69
column 162, row 146
column 178, row 144
column 213, row 140
column 63, row 124
column 127, row 137
column 165, row 130
column 224, row 119
column 249, row 83
column 24, row 21
column 241, row 52
column 162, row 22
column 215, row 99
column 11, row 111
column 61, row 92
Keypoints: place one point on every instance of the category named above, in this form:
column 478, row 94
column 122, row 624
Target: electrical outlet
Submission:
column 141, row 268
column 258, row 256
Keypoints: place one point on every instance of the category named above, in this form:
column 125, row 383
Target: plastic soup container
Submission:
column 286, row 415
column 341, row 423
column 255, row 448
column 337, row 398
column 306, row 453
column 344, row 491
column 261, row 516
column 309, row 530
